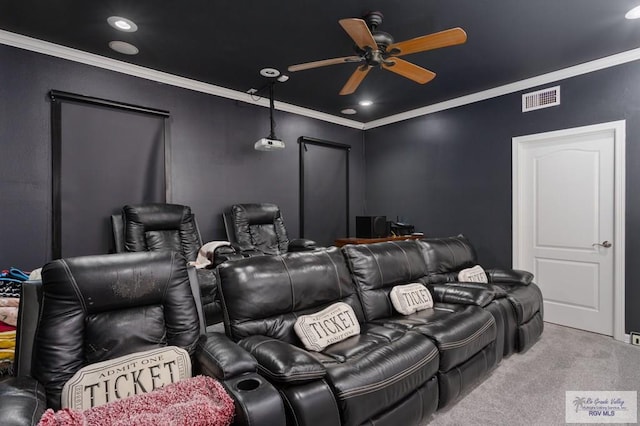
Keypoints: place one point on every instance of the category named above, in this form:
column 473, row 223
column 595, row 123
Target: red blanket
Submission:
column 200, row 400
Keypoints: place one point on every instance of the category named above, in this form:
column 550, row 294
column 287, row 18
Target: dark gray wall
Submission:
column 450, row 172
column 213, row 161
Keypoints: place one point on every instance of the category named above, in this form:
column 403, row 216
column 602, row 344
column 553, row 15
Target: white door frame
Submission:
column 618, row 128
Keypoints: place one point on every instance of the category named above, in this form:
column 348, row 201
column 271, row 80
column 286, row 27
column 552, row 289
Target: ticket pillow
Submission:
column 118, row 378
column 199, row 400
column 410, row 298
column 331, row 325
column 473, row 275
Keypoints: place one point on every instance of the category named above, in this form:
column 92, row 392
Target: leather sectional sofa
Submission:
column 400, row 368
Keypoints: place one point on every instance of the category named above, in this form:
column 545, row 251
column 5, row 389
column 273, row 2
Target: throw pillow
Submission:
column 410, row 298
column 473, row 275
column 331, row 325
column 118, row 378
column 198, row 401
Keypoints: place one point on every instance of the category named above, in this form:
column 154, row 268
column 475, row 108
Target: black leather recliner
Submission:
column 257, row 229
column 468, row 337
column 172, row 227
column 517, row 296
column 94, row 308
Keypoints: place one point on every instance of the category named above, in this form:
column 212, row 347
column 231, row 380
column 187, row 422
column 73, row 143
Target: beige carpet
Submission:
column 529, row 388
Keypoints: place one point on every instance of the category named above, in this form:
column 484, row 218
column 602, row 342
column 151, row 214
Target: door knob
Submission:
column 605, row 244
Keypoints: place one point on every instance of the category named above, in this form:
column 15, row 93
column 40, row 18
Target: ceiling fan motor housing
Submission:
column 382, row 39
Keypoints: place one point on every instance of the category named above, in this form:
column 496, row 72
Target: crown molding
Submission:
column 58, row 51
column 573, row 71
column 51, row 49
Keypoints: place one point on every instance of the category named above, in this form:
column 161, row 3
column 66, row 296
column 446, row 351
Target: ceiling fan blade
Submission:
column 324, row 63
column 445, row 38
column 359, row 32
column 409, row 70
column 355, row 80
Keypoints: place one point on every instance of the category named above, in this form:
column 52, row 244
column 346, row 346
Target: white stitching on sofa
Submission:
column 405, row 256
column 296, row 375
column 293, row 293
column 335, row 268
column 362, row 390
column 74, row 284
column 35, row 410
column 462, row 342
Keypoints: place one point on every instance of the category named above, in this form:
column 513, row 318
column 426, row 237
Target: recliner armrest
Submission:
column 302, row 244
column 221, row 358
column 282, row 362
column 249, row 252
column 509, row 276
column 22, row 401
column 463, row 293
column 223, row 254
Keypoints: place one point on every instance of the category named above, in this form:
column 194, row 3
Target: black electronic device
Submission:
column 399, row 228
column 371, row 226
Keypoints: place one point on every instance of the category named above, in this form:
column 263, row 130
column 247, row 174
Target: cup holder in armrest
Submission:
column 255, row 399
column 248, row 384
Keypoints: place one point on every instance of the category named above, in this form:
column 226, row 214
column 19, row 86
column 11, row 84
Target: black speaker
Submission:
column 371, row 226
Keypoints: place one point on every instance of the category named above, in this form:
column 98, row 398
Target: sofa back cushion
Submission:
column 259, row 226
column 264, row 295
column 448, row 255
column 377, row 268
column 164, row 227
column 96, row 308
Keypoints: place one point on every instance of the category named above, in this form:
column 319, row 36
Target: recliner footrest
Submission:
column 455, row 381
column 529, row 333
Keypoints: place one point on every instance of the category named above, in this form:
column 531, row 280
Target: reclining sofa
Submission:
column 398, row 369
column 95, row 308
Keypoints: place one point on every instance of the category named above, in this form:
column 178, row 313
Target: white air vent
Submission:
column 541, row 99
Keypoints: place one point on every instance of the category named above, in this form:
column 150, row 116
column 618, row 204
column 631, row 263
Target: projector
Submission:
column 266, row 144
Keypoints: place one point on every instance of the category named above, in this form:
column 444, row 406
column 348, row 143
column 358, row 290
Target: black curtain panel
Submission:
column 324, row 190
column 105, row 155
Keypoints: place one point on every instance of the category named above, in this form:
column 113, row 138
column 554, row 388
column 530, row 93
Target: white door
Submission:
column 564, row 210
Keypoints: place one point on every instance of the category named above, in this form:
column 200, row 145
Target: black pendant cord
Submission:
column 272, row 135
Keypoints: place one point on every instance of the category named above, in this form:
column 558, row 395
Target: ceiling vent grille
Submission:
column 544, row 98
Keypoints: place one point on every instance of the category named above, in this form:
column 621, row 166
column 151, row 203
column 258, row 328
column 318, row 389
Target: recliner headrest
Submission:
column 256, row 214
column 118, row 281
column 156, row 217
column 450, row 254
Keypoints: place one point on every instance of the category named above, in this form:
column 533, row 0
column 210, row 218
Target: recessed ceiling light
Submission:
column 348, row 111
column 366, row 103
column 269, row 72
column 123, row 47
column 633, row 13
column 122, row 24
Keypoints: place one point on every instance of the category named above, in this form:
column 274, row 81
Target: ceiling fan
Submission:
column 378, row 49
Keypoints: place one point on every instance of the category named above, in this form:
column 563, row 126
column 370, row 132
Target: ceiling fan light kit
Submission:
column 377, row 49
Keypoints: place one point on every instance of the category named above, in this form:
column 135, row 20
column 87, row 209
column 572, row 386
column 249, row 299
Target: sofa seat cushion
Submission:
column 459, row 331
column 373, row 371
column 526, row 300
